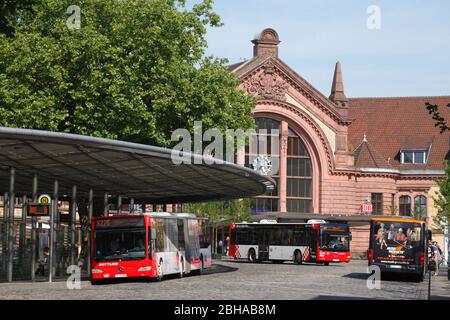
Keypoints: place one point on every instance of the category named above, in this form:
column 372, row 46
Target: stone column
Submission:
column 282, row 183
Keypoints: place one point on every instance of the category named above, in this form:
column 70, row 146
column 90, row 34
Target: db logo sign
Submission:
column 367, row 208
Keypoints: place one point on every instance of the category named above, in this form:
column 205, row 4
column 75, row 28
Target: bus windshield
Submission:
column 334, row 238
column 119, row 244
column 396, row 233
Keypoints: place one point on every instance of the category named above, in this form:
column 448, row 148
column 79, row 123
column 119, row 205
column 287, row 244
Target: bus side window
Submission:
column 159, row 225
column 181, row 242
column 151, row 242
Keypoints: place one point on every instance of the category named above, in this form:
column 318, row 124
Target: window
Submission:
column 405, row 205
column 377, row 203
column 299, row 186
column 264, row 205
column 413, row 157
column 269, row 202
column 420, row 206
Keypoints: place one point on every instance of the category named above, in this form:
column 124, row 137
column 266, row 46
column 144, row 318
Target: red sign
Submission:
column 367, row 207
column 38, row 209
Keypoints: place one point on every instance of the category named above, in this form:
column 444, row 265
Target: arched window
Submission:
column 266, row 203
column 420, row 206
column 405, row 205
column 299, row 176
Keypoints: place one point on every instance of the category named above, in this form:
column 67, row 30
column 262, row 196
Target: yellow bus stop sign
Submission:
column 44, row 199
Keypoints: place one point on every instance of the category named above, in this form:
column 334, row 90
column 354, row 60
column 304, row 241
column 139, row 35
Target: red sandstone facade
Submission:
column 347, row 151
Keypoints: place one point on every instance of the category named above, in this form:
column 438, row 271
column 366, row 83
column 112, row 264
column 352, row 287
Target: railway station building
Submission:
column 338, row 153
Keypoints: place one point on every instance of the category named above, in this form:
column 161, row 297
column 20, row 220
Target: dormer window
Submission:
column 413, row 156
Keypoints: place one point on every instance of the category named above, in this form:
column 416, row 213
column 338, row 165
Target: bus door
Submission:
column 313, row 237
column 263, row 244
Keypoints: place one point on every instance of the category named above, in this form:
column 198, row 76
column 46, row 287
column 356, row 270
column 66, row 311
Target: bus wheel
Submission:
column 160, row 271
column 252, row 255
column 298, row 257
column 326, row 263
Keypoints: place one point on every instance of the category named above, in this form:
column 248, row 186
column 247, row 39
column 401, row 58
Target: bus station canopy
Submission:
column 143, row 172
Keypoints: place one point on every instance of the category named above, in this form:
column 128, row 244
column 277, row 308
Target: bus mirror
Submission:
column 153, row 234
column 429, row 235
column 350, row 237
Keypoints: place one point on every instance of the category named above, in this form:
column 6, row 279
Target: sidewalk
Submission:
column 440, row 286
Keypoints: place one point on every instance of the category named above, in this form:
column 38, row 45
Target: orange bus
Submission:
column 398, row 245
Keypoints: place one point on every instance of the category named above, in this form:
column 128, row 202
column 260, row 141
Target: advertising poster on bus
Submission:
column 397, row 244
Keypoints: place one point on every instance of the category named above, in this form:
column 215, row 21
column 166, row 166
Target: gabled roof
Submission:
column 243, row 70
column 393, row 124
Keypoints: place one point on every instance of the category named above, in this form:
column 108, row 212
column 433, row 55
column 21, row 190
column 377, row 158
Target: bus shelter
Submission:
column 40, row 169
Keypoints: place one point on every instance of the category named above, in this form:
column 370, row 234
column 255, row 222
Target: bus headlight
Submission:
column 96, row 271
column 142, row 269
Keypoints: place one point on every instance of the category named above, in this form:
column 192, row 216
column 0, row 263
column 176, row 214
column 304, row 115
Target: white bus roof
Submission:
column 171, row 214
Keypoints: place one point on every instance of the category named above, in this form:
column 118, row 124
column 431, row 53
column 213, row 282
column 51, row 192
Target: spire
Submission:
column 337, row 89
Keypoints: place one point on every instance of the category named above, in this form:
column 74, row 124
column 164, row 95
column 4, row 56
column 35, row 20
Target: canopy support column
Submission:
column 119, row 205
column 54, row 213
column 34, row 199
column 73, row 218
column 90, row 214
column 105, row 204
column 11, row 198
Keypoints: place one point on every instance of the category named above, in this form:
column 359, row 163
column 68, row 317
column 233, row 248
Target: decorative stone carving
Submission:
column 267, row 85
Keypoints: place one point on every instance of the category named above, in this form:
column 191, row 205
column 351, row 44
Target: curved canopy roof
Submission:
column 143, row 172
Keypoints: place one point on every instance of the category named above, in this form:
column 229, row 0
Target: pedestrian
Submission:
column 227, row 241
column 436, row 257
column 440, row 255
column 220, row 246
column 43, row 261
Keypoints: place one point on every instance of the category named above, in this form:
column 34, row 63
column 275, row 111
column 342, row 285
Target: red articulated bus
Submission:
column 149, row 246
column 315, row 241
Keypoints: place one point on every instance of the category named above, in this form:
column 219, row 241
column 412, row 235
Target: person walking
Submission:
column 436, row 256
column 43, row 261
column 227, row 242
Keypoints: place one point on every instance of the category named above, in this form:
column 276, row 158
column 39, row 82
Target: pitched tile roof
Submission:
column 392, row 124
column 367, row 157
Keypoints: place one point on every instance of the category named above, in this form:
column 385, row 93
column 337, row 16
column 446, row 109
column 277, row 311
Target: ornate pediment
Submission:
column 267, row 85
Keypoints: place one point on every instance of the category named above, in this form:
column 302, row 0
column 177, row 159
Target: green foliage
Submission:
column 441, row 122
column 135, row 71
column 216, row 211
column 442, row 200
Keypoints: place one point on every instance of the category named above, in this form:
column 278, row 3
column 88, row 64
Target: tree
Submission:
column 9, row 14
column 440, row 120
column 221, row 211
column 442, row 199
column 135, row 70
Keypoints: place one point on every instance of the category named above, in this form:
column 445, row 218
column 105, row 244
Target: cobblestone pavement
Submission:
column 242, row 280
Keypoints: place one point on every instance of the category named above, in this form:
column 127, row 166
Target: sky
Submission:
column 409, row 55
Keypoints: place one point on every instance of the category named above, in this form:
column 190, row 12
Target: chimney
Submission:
column 266, row 43
column 337, row 89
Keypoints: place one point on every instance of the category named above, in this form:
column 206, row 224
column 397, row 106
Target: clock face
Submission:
column 263, row 165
